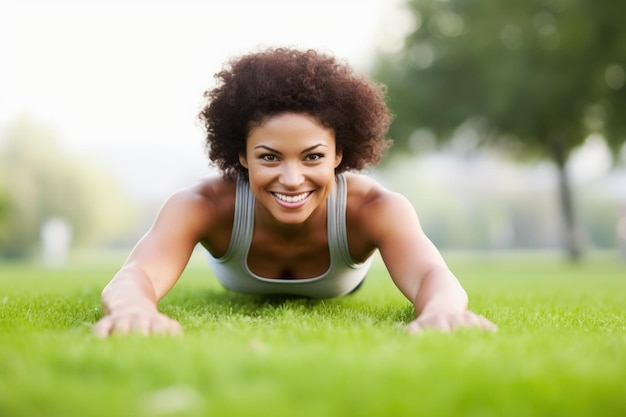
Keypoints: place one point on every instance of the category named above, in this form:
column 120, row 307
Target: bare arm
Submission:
column 417, row 268
column 130, row 299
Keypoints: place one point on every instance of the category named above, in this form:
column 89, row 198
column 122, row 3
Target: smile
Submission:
column 292, row 198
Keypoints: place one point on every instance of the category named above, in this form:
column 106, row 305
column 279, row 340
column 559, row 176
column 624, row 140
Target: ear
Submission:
column 243, row 160
column 338, row 157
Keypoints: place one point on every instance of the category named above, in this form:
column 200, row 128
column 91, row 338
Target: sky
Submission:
column 122, row 80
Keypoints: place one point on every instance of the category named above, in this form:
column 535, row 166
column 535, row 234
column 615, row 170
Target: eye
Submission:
column 269, row 158
column 314, row 157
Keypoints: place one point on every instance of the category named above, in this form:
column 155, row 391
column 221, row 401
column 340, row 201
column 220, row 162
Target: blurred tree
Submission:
column 533, row 77
column 43, row 182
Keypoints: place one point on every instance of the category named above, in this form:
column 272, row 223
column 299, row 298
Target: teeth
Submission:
column 291, row 199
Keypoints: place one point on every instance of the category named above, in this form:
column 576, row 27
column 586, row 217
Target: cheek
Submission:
column 259, row 175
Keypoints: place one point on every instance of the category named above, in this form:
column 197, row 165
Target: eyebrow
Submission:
column 309, row 149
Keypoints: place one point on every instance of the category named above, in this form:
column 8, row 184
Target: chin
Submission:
column 292, row 219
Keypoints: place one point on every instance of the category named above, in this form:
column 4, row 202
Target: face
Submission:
column 291, row 160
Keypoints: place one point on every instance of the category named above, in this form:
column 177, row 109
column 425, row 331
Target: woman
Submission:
column 285, row 216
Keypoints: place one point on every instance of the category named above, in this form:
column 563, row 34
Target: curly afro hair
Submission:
column 253, row 87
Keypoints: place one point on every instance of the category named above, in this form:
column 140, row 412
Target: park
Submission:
column 508, row 136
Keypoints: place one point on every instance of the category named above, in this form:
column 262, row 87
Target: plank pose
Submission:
column 289, row 213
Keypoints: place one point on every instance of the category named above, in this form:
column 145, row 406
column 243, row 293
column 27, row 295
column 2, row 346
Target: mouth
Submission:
column 292, row 199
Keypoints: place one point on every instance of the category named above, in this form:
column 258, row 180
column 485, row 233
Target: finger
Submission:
column 121, row 326
column 165, row 325
column 141, row 325
column 158, row 326
column 175, row 328
column 469, row 319
column 444, row 323
column 487, row 324
column 414, row 327
column 432, row 322
column 102, row 328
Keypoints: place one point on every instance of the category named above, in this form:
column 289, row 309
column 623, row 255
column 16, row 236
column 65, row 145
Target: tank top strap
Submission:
column 243, row 222
column 336, row 222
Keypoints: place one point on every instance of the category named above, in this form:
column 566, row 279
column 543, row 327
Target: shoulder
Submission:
column 376, row 210
column 365, row 193
column 214, row 191
column 209, row 201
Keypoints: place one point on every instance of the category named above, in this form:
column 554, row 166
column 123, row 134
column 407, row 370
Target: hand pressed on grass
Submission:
column 448, row 321
column 136, row 321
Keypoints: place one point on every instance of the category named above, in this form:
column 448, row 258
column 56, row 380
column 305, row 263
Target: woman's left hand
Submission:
column 447, row 321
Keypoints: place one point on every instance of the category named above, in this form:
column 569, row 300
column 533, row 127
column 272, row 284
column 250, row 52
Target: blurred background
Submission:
column 509, row 121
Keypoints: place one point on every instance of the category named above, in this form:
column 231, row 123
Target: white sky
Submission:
column 123, row 79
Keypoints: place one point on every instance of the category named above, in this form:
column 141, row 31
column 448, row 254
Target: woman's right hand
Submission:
column 141, row 321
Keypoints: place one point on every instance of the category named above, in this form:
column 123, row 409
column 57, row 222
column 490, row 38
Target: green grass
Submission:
column 560, row 351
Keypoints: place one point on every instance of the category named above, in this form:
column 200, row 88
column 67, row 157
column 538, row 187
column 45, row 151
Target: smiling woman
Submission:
column 285, row 217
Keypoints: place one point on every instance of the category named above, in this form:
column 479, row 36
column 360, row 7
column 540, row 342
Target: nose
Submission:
column 291, row 175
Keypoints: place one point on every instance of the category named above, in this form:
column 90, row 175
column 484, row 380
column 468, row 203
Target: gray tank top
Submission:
column 342, row 276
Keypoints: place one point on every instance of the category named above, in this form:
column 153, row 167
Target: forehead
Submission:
column 290, row 126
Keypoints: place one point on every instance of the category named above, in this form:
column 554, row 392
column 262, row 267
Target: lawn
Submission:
column 560, row 350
